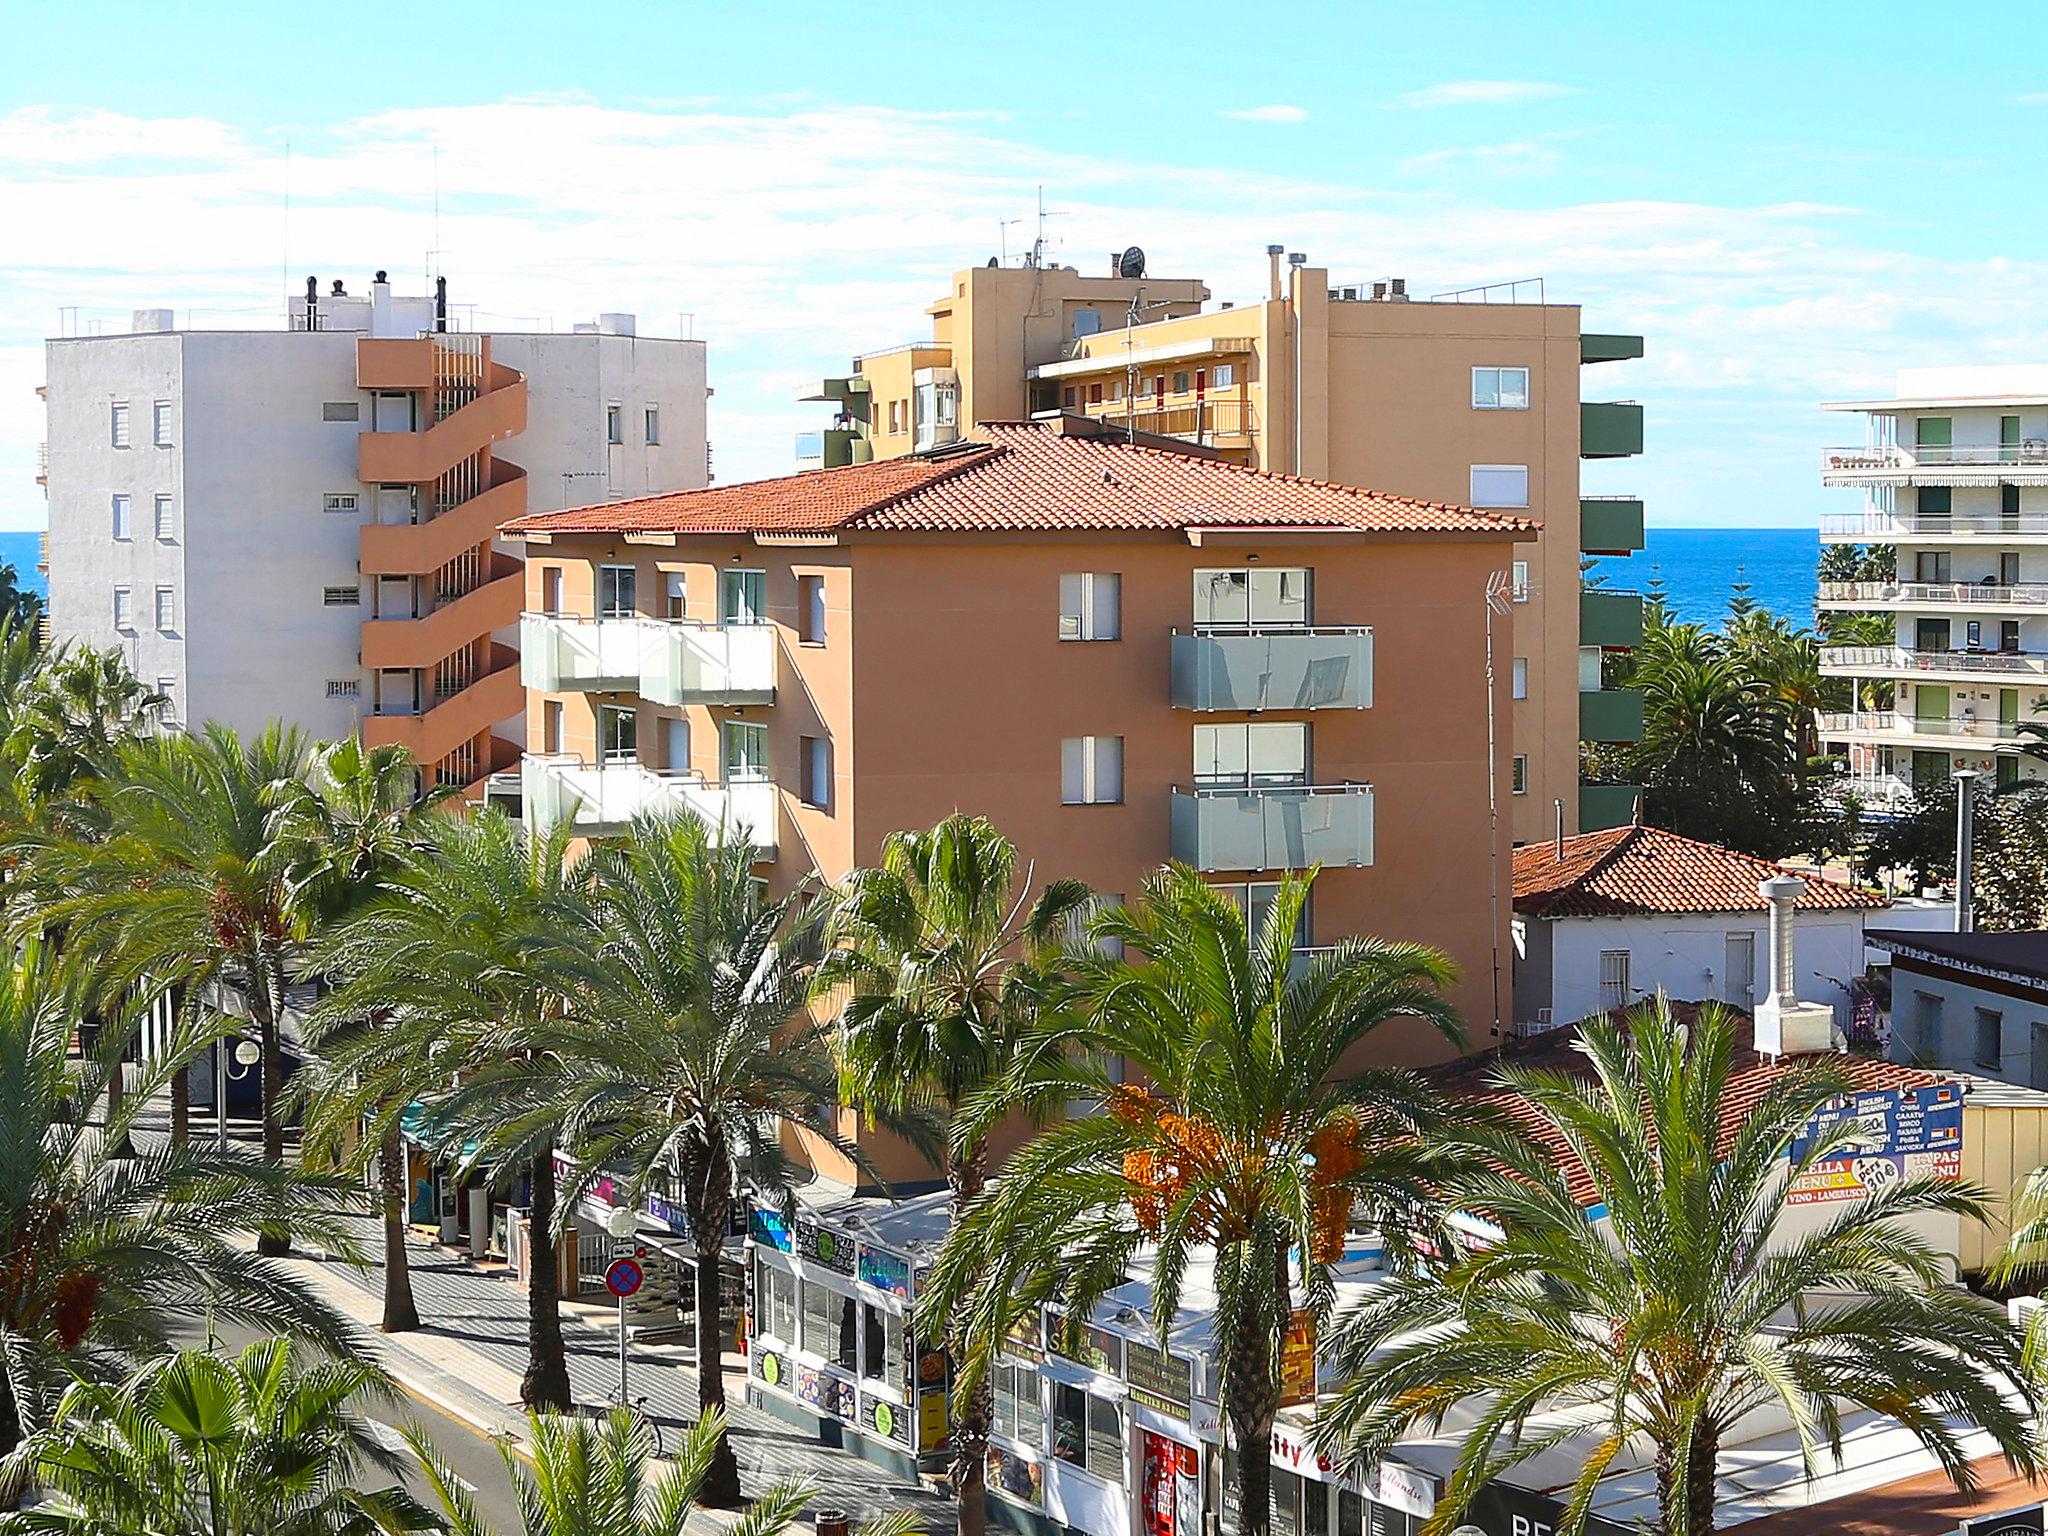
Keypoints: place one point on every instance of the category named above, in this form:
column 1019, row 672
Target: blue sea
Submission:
column 18, row 549
column 1699, row 567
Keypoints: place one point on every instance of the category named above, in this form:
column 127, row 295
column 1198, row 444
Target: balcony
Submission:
column 1219, row 421
column 665, row 661
column 1611, row 714
column 1905, row 662
column 1936, row 464
column 1875, row 527
column 1251, row 668
column 1975, row 596
column 1610, row 525
column 1607, row 805
column 1887, row 790
column 1291, row 826
column 1596, row 348
column 1883, row 726
column 827, row 448
column 1610, row 429
column 602, row 800
column 1610, row 619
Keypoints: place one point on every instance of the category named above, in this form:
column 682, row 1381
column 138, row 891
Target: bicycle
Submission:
column 642, row 1419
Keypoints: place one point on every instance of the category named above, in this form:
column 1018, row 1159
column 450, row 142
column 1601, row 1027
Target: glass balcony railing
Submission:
column 1278, row 668
column 665, row 661
column 1277, row 827
column 602, row 799
column 567, row 655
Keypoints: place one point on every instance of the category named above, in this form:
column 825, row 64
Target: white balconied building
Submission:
column 1954, row 475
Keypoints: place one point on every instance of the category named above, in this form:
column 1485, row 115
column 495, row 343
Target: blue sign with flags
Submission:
column 1879, row 1137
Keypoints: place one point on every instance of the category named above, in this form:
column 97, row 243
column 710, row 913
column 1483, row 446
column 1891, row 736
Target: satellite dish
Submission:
column 1131, row 263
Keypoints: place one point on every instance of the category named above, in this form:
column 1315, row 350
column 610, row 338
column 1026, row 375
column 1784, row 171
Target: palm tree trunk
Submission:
column 270, row 1241
column 1699, row 1482
column 974, row 1415
column 400, row 1313
column 181, row 1080
column 1252, row 1399
column 546, row 1383
column 709, row 1197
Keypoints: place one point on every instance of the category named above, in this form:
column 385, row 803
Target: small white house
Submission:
column 1608, row 918
column 1971, row 1002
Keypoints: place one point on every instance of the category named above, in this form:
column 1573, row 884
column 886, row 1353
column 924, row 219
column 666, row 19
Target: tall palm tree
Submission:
column 366, row 811
column 197, row 1445
column 192, row 882
column 939, row 960
column 101, row 1260
column 470, row 956
column 590, row 1478
column 1252, row 1140
column 685, row 1054
column 1689, row 1308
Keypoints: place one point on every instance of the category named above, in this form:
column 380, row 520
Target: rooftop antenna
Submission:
column 287, row 233
column 1003, row 238
column 1038, row 246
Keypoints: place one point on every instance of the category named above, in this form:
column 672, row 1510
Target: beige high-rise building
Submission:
column 1469, row 399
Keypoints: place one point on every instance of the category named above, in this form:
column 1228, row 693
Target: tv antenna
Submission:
column 1003, row 239
column 1038, row 246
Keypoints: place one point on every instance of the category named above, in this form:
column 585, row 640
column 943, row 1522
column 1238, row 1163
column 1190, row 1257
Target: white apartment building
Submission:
column 1954, row 472
column 300, row 524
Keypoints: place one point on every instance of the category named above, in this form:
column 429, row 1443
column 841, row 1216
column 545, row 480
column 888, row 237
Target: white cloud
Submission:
column 1481, row 93
column 2030, row 99
column 1523, row 155
column 1276, row 112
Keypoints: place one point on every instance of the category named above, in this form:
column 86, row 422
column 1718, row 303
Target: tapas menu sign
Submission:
column 1878, row 1138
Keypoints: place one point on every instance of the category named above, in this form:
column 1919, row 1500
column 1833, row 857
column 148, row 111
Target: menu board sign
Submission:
column 769, row 1228
column 1099, row 1350
column 1878, row 1138
column 884, row 1271
column 821, row 1245
column 1160, row 1379
column 883, row 1417
column 1298, row 1359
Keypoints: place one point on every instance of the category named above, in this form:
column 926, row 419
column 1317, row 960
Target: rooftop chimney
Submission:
column 1784, row 1025
column 339, row 291
column 152, row 320
column 1273, row 255
column 1379, row 290
column 1397, row 289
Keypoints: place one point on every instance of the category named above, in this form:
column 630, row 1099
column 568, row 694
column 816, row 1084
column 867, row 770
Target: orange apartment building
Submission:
column 1472, row 398
column 1119, row 654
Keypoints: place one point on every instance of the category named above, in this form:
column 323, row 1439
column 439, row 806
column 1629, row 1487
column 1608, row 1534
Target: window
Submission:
column 1092, row 770
column 816, row 788
column 1090, row 605
column 551, row 726
column 341, row 597
column 1990, row 1038
column 1591, row 664
column 160, row 424
column 1935, row 501
column 166, row 608
column 1070, row 397
column 1614, row 988
column 1518, row 582
column 1095, row 394
column 118, row 426
column 1350, row 1513
column 1255, row 900
column 1521, row 774
column 1180, row 382
column 2009, row 438
column 1087, row 1431
column 341, row 410
column 676, row 594
column 2009, row 504
column 1934, row 431
column 1261, row 597
column 829, row 1324
column 551, row 589
column 743, row 597
column 614, row 423
column 1086, row 322
column 1251, row 754
column 1521, row 677
column 124, row 609
column 1500, row 389
column 882, row 1356
column 343, row 687
column 650, row 421
column 166, row 520
column 1926, row 1041
column 744, row 753
column 338, row 501
column 1077, row 921
column 810, row 609
column 121, row 517
column 618, row 734
column 167, row 690
column 775, row 1301
column 1738, row 980
column 1226, row 375
column 675, row 747
column 1020, row 1415
column 617, row 591
column 1500, row 485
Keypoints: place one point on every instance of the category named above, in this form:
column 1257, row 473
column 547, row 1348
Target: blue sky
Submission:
column 1789, row 201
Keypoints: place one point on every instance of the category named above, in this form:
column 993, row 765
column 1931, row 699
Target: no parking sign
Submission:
column 624, row 1277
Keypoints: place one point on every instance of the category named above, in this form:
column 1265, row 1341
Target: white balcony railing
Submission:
column 666, row 661
column 603, row 798
column 1899, row 458
column 1887, row 789
column 1909, row 727
column 1881, row 527
column 1943, row 594
column 1884, row 660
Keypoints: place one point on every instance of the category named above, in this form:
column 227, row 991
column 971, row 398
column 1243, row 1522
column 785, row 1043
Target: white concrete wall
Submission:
column 1946, row 1035
column 1685, row 956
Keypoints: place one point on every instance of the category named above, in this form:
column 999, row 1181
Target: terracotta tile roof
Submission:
column 1028, row 477
column 1627, row 870
column 1927, row 1505
column 1555, row 1050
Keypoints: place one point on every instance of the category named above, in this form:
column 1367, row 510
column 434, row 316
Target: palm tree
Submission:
column 193, row 881
column 939, row 961
column 197, row 1445
column 101, row 1260
column 1249, row 1146
column 470, row 957
column 1688, row 1309
column 367, row 807
column 681, row 1062
column 590, row 1478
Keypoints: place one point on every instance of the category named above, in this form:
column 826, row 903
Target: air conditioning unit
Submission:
column 2022, row 1309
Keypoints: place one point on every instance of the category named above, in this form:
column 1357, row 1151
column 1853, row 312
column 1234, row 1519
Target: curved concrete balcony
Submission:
column 1290, row 826
column 416, row 458
column 1277, row 668
column 420, row 549
column 1970, row 596
column 665, row 661
column 1961, row 731
column 435, row 636
column 456, row 720
column 602, row 799
column 1904, row 662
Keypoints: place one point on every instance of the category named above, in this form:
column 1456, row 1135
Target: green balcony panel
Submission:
column 1611, row 714
column 1273, row 669
column 1273, row 827
column 1606, row 805
column 1610, row 429
column 1597, row 348
column 1611, row 620
column 1610, row 525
